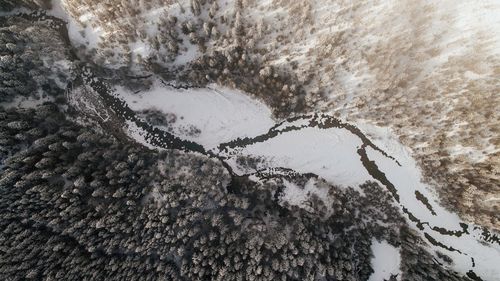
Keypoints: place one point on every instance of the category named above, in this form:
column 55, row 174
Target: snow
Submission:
column 190, row 53
column 86, row 100
column 475, row 155
column 329, row 153
column 139, row 135
column 90, row 36
column 298, row 196
column 385, row 261
column 407, row 179
column 89, row 31
column 222, row 114
column 436, row 58
column 492, row 198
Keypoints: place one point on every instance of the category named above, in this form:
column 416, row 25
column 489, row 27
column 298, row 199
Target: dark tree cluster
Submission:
column 76, row 204
column 237, row 68
column 58, row 195
column 29, row 53
column 419, row 264
column 19, row 128
column 238, row 64
column 15, row 78
column 8, row 5
column 158, row 118
column 79, row 203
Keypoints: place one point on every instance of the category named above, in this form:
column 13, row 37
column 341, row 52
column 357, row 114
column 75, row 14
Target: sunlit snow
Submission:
column 385, row 262
column 223, row 115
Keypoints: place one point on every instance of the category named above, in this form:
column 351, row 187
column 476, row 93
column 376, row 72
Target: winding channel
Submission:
column 165, row 140
column 432, row 233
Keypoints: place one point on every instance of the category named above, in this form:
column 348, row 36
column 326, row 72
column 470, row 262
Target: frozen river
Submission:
column 228, row 125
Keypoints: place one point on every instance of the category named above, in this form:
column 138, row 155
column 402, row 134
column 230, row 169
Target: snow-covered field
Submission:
column 386, row 261
column 328, row 153
column 221, row 114
column 224, row 114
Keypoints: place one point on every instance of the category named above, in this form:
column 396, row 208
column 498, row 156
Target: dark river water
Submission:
column 163, row 139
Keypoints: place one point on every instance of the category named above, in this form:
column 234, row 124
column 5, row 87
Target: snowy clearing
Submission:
column 330, row 154
column 221, row 114
column 299, row 196
column 386, row 260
